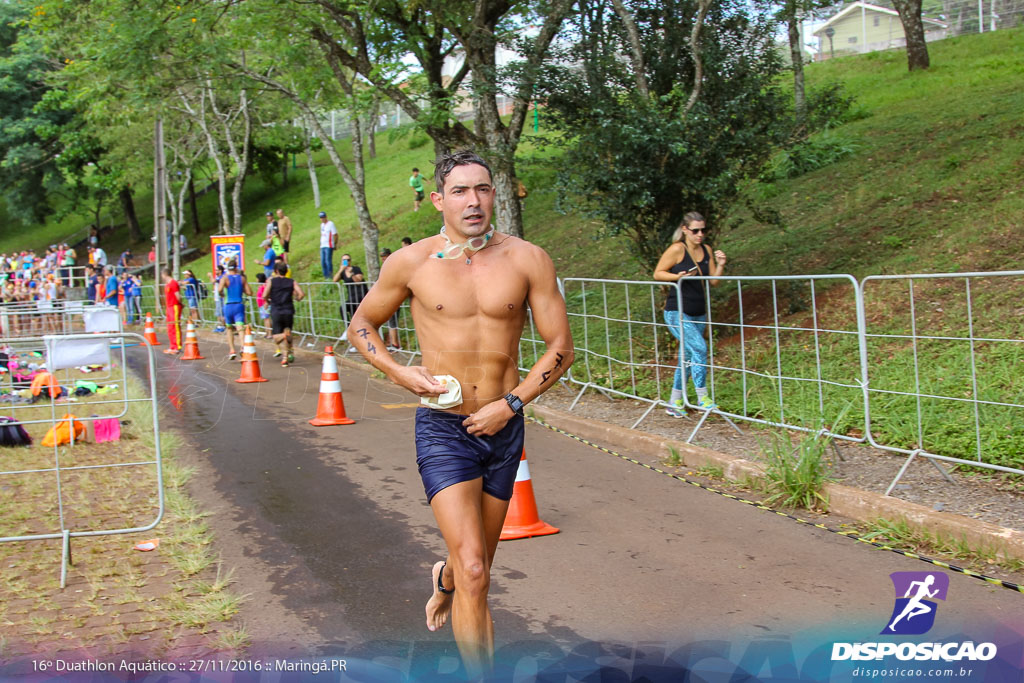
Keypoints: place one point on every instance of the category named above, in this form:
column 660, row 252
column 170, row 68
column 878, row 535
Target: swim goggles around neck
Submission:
column 454, row 250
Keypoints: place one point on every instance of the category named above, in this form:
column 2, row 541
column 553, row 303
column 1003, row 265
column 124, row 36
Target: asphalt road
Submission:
column 330, row 534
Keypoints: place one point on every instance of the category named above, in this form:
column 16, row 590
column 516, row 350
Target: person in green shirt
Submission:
column 416, row 183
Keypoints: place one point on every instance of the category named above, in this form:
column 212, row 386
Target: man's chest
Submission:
column 453, row 290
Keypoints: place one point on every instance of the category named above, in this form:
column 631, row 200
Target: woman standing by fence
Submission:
column 688, row 256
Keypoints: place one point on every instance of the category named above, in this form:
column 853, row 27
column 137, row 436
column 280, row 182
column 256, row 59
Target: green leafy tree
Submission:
column 128, row 62
column 286, row 61
column 372, row 39
column 29, row 147
column 675, row 126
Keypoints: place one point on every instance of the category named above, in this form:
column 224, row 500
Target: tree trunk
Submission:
column 241, row 160
column 698, row 63
column 371, row 130
column 371, row 233
column 508, row 212
column 192, row 203
column 176, row 266
column 199, row 117
column 796, row 53
column 913, row 28
column 358, row 192
column 180, row 222
column 636, row 47
column 222, row 180
column 98, row 213
column 440, row 148
column 312, row 173
column 128, row 206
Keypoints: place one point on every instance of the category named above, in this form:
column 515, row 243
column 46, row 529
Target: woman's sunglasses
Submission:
column 699, row 231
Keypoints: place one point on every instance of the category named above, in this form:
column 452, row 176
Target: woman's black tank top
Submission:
column 692, row 290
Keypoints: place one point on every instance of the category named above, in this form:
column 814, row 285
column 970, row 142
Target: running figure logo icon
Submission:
column 914, row 612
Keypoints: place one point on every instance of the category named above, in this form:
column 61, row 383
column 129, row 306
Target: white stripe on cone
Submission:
column 330, row 386
column 523, row 473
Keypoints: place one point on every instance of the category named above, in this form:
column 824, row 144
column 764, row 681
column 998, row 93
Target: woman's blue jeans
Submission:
column 693, row 349
column 131, row 305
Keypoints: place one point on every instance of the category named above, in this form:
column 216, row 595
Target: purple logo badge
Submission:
column 916, row 592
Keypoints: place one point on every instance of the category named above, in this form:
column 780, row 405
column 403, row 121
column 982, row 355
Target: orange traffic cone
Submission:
column 250, row 361
column 330, row 408
column 150, row 332
column 522, row 520
column 191, row 344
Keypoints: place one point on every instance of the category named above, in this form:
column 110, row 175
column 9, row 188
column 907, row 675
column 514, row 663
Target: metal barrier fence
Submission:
column 617, row 331
column 69, row 467
column 796, row 352
column 324, row 310
column 31, row 319
column 322, row 315
column 944, row 377
column 150, row 300
column 791, row 351
column 808, row 374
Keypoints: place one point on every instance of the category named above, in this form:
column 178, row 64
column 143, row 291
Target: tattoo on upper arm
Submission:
column 371, row 348
column 558, row 366
column 363, row 332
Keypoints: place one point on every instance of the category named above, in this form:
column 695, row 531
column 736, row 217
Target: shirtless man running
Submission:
column 469, row 289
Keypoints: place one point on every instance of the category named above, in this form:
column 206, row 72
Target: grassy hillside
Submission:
column 935, row 180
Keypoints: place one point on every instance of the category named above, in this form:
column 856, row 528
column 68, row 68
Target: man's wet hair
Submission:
column 281, row 268
column 446, row 162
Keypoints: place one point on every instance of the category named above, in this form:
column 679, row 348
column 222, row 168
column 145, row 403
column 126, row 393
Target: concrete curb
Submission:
column 864, row 506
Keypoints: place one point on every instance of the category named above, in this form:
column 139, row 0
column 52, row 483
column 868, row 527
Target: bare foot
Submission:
column 439, row 606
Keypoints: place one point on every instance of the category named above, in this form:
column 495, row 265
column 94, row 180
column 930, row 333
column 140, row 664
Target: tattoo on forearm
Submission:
column 363, row 332
column 558, row 366
column 371, row 348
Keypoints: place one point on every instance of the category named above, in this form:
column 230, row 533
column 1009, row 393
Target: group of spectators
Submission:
column 33, row 285
column 277, row 243
column 28, row 276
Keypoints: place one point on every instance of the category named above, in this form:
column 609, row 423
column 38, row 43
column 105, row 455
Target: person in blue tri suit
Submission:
column 233, row 287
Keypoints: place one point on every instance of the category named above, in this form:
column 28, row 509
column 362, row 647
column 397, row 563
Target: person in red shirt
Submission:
column 171, row 290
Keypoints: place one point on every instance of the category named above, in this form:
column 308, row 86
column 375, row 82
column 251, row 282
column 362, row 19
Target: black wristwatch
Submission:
column 515, row 403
